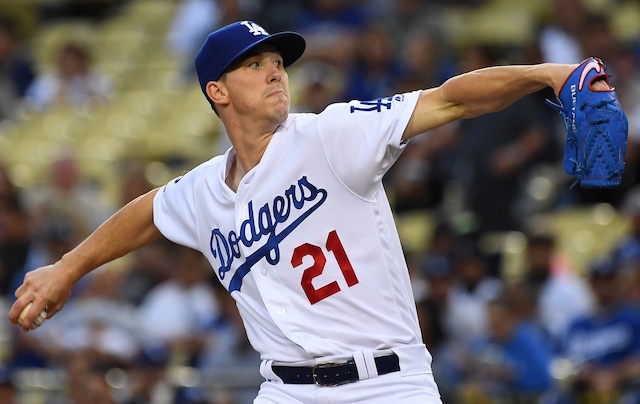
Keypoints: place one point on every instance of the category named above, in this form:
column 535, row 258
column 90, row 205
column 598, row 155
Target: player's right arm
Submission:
column 482, row 91
column 50, row 286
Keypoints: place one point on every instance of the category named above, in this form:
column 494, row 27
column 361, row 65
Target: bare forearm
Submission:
column 128, row 229
column 494, row 88
column 482, row 91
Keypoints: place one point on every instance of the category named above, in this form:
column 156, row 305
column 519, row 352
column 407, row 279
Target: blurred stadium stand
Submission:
column 160, row 117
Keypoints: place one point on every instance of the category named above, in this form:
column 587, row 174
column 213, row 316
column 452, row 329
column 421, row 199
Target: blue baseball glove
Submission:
column 596, row 128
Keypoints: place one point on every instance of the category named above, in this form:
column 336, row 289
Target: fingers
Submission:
column 45, row 291
column 37, row 322
column 28, row 313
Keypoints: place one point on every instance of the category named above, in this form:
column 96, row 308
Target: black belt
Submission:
column 333, row 374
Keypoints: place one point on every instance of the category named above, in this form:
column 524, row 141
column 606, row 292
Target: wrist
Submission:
column 557, row 74
column 70, row 268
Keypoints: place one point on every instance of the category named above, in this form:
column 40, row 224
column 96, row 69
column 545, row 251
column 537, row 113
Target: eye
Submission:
column 278, row 63
column 254, row 64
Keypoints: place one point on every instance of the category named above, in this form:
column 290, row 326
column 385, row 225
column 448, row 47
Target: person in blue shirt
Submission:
column 605, row 346
column 513, row 361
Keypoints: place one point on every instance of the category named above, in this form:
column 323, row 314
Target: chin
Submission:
column 281, row 112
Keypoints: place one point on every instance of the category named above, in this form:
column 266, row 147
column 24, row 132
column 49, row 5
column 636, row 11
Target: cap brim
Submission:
column 291, row 46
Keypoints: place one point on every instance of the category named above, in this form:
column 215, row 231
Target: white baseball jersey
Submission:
column 307, row 245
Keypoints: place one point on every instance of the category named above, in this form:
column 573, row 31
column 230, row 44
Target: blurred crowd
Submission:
column 155, row 326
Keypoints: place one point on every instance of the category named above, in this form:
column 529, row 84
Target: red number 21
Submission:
column 319, row 260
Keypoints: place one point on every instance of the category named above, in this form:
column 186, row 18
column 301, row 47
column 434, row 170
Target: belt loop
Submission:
column 359, row 359
column 266, row 370
column 370, row 362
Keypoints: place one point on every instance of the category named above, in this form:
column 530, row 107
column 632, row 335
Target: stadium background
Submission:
column 65, row 165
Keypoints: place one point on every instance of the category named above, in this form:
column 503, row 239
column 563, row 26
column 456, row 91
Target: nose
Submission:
column 275, row 75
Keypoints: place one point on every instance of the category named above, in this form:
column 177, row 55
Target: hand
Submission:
column 601, row 85
column 561, row 72
column 559, row 75
column 47, row 287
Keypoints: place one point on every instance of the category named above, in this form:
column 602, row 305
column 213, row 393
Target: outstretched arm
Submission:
column 482, row 91
column 50, row 286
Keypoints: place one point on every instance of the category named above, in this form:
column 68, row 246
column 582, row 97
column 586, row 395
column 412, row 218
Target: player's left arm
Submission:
column 482, row 91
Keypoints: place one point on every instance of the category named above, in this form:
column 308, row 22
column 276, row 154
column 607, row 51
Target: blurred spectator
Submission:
column 470, row 293
column 67, row 194
column 86, row 381
column 74, row 83
column 495, row 152
column 435, row 302
column 559, row 40
column 16, row 69
column 192, row 22
column 604, row 347
column 56, row 236
column 177, row 315
column 15, row 241
column 97, row 325
column 419, row 177
column 7, row 188
column 561, row 295
column 403, row 18
column 424, row 62
column 627, row 249
column 512, row 363
column 321, row 84
column 69, row 9
column 375, row 71
column 443, row 240
column 626, row 79
column 331, row 29
column 433, row 306
column 280, row 15
column 597, row 38
column 134, row 182
column 195, row 19
column 229, row 362
column 7, row 391
column 148, row 267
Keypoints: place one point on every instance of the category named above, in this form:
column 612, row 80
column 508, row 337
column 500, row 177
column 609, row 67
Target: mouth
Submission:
column 277, row 92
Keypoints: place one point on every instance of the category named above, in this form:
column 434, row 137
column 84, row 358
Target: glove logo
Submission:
column 592, row 65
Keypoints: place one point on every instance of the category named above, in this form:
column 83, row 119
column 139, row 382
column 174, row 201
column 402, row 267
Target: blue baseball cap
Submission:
column 227, row 44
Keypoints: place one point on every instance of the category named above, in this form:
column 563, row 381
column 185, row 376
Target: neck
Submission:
column 250, row 138
column 249, row 150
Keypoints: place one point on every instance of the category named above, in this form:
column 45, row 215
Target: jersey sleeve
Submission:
column 174, row 211
column 362, row 139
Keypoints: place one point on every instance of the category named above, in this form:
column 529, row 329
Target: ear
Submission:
column 217, row 92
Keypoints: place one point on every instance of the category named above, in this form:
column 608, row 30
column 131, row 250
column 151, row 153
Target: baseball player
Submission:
column 295, row 222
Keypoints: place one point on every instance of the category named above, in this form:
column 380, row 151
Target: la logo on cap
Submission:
column 254, row 28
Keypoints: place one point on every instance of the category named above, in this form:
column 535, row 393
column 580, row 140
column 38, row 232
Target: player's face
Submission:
column 258, row 86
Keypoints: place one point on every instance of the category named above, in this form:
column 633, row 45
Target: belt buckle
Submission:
column 326, row 365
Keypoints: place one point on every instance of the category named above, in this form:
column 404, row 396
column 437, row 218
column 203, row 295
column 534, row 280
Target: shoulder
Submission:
column 206, row 167
column 195, row 177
